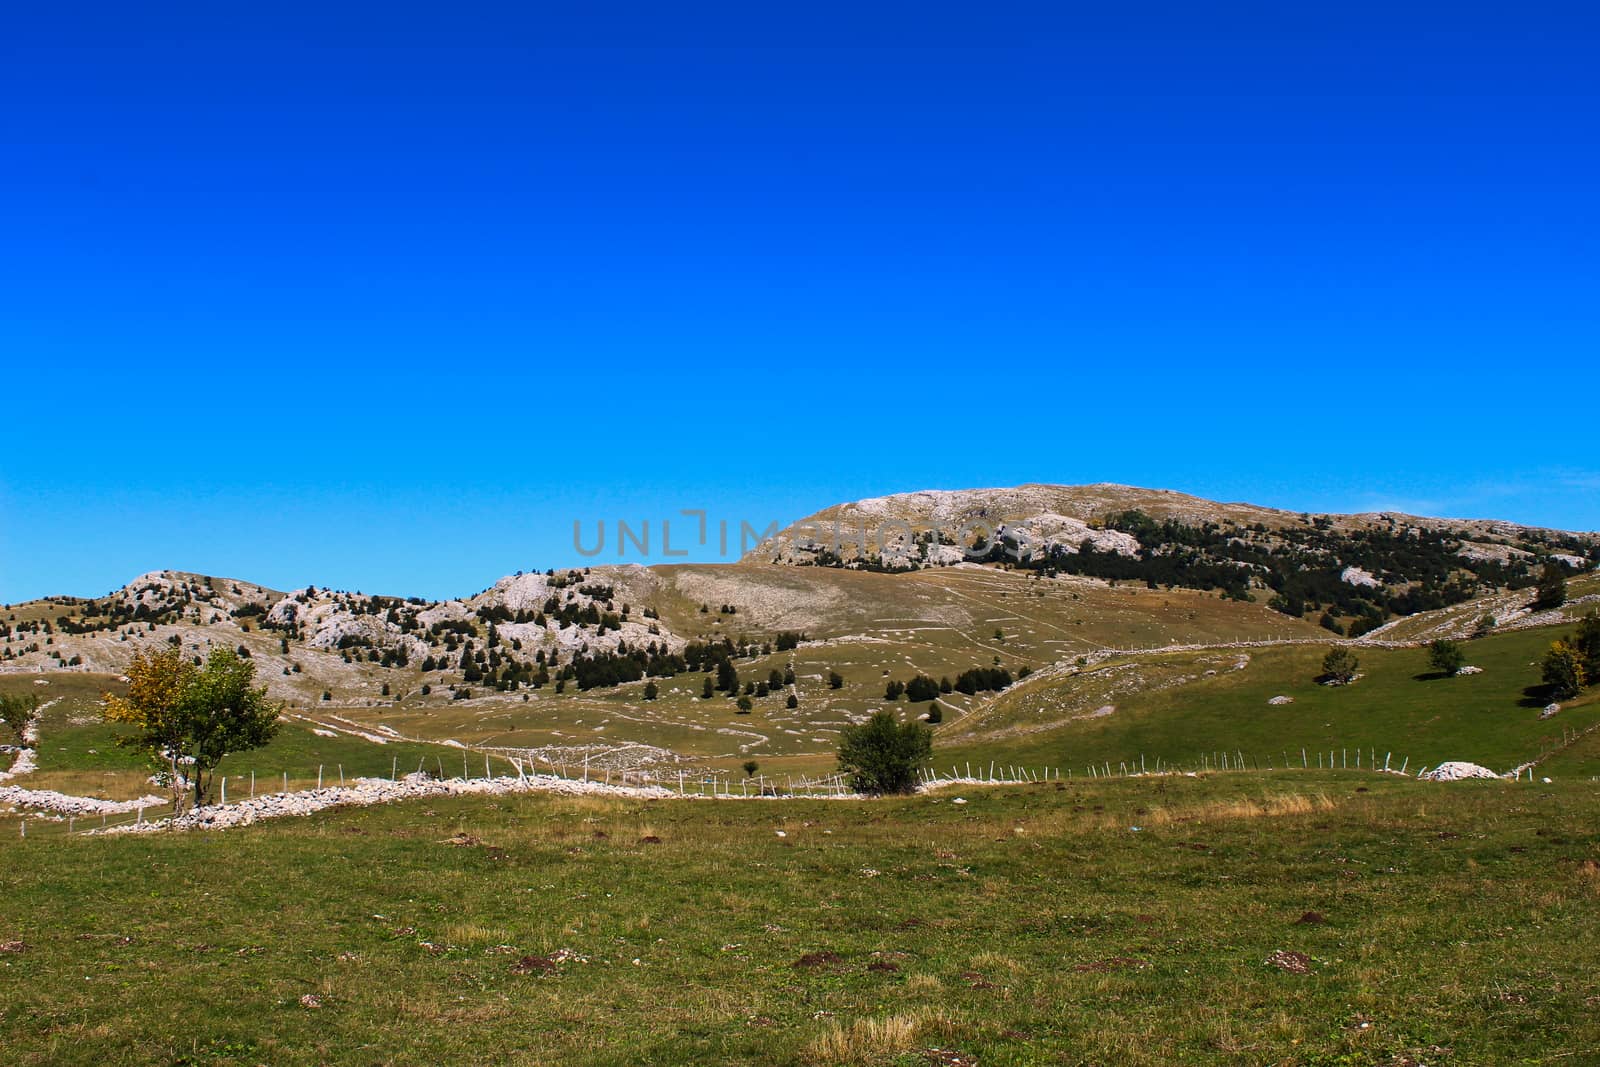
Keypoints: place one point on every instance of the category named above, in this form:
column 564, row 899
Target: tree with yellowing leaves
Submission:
column 188, row 718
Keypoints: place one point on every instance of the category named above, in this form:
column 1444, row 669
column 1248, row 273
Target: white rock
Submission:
column 1281, row 700
column 1360, row 577
column 1455, row 771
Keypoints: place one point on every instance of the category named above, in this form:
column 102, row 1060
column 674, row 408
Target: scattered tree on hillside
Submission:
column 882, row 755
column 1552, row 587
column 792, row 703
column 1587, row 643
column 1484, row 624
column 750, row 768
column 187, row 718
column 1446, row 657
column 935, row 713
column 708, row 690
column 1562, row 670
column 1339, row 666
column 651, row 691
column 744, row 704
column 1573, row 661
column 835, row 680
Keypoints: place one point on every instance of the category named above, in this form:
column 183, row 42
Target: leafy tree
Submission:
column 1552, row 587
column 188, row 718
column 651, row 691
column 1587, row 644
column 1339, row 666
column 1446, row 656
column 922, row 688
column 18, row 711
column 792, row 703
column 894, row 689
column 881, row 755
column 727, row 677
column 1562, row 670
column 744, row 704
column 750, row 768
column 835, row 680
column 935, row 713
column 1484, row 624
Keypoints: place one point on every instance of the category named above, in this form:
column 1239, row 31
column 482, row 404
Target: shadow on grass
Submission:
column 1537, row 696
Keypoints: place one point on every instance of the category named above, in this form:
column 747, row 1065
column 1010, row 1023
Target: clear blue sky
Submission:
column 385, row 297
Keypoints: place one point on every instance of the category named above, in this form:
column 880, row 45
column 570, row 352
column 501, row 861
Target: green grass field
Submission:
column 1168, row 705
column 1126, row 921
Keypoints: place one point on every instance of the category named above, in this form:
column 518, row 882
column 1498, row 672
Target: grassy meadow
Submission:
column 1282, row 918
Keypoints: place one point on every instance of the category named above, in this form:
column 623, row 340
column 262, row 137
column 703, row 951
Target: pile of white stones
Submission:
column 1455, row 771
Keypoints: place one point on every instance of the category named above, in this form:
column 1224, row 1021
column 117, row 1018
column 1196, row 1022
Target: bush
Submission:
column 835, row 680
column 744, row 705
column 1339, row 666
column 935, row 713
column 792, row 703
column 1446, row 656
column 882, row 755
column 651, row 691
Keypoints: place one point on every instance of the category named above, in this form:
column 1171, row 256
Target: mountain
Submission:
column 1358, row 570
column 960, row 586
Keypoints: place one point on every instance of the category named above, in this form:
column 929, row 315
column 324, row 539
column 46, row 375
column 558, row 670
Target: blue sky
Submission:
column 387, row 297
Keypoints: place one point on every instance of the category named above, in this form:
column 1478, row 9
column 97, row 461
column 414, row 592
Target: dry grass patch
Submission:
column 1245, row 808
column 866, row 1041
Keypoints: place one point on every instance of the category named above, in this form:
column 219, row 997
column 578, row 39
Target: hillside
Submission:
column 1080, row 587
